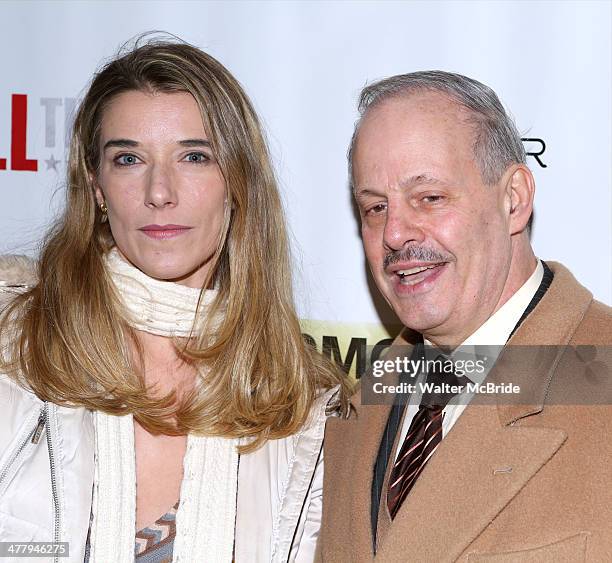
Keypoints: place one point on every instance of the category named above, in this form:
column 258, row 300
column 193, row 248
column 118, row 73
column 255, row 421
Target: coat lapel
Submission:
column 479, row 467
column 373, row 422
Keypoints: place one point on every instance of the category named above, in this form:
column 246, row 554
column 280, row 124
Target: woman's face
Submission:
column 162, row 185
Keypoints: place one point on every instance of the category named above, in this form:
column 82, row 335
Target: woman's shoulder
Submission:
column 17, row 402
column 17, row 274
column 325, row 405
column 17, row 270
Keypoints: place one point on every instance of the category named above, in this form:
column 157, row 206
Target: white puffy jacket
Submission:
column 47, row 476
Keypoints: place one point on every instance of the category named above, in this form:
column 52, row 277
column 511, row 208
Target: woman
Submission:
column 160, row 334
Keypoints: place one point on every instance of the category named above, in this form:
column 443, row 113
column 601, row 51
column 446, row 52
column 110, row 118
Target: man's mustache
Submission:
column 416, row 253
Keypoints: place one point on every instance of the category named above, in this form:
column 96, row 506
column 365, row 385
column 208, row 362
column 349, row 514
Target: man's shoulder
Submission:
column 580, row 327
column 595, row 327
column 565, row 313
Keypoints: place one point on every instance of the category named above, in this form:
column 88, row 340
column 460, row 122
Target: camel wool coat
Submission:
column 529, row 481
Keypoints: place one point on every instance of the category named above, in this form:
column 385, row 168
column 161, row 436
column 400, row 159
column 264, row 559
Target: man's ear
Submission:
column 519, row 190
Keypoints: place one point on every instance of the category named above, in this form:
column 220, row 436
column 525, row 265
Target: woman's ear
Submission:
column 93, row 181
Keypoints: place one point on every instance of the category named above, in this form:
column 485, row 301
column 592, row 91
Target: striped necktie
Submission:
column 422, row 439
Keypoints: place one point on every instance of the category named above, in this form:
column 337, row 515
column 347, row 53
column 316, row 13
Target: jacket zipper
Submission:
column 53, row 466
column 31, row 437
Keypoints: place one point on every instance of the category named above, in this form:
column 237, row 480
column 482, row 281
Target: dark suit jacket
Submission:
column 529, row 481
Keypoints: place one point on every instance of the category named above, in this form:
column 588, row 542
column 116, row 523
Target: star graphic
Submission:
column 52, row 163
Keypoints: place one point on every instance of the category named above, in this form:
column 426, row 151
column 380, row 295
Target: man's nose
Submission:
column 403, row 226
column 160, row 189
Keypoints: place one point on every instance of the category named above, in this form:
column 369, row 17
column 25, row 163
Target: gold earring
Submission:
column 104, row 210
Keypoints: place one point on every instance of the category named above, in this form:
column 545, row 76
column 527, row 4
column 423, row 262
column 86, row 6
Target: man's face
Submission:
column 436, row 237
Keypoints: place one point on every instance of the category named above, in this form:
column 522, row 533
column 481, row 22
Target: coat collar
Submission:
column 546, row 331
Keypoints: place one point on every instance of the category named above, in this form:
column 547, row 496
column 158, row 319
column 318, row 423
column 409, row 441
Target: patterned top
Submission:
column 155, row 543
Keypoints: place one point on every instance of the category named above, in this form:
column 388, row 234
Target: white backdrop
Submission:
column 303, row 64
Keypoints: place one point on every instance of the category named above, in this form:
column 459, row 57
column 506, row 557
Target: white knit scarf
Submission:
column 206, row 514
column 158, row 307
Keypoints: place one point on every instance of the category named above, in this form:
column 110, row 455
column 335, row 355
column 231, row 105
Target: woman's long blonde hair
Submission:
column 261, row 376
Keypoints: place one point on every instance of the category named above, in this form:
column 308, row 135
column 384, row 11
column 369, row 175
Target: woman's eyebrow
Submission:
column 195, row 143
column 124, row 143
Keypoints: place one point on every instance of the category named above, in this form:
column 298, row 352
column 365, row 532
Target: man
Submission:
column 445, row 198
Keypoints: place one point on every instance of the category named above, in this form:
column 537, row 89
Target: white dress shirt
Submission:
column 494, row 332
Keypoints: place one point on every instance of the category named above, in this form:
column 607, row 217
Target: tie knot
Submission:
column 442, row 383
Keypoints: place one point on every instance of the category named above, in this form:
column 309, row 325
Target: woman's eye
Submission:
column 125, row 159
column 197, row 157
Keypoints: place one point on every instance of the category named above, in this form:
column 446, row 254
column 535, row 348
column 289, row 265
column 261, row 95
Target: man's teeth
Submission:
column 403, row 273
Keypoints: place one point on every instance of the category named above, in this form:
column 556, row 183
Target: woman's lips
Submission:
column 162, row 232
